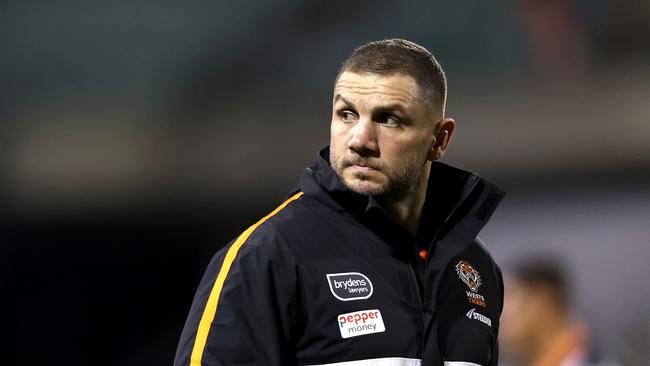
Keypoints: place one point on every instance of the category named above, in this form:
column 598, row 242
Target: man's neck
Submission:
column 407, row 210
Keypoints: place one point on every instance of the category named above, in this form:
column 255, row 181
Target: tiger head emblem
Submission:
column 469, row 275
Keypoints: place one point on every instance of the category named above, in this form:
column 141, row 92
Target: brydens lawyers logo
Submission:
column 469, row 275
column 360, row 323
column 349, row 286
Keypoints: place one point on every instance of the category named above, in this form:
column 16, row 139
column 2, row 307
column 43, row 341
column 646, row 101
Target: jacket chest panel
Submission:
column 359, row 306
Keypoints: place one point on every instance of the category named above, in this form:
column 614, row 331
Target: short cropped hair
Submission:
column 399, row 56
column 544, row 271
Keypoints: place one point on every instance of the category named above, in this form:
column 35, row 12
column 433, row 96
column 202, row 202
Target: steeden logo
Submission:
column 349, row 286
column 472, row 314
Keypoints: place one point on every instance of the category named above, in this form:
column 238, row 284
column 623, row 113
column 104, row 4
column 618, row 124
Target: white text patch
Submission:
column 360, row 323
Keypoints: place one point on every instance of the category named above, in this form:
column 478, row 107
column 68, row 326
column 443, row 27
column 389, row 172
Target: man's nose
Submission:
column 364, row 138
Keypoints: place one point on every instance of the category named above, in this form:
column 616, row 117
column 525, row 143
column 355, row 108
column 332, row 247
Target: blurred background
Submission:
column 137, row 138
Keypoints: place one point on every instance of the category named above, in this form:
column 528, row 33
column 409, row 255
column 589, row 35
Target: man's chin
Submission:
column 365, row 187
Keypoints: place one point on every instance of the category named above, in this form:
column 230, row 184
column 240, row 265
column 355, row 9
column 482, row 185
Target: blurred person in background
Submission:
column 537, row 327
column 374, row 259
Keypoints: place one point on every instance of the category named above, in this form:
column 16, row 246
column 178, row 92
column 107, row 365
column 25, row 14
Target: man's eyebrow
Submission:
column 395, row 107
column 339, row 97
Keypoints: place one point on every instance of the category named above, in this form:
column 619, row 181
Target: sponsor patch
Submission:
column 349, row 286
column 360, row 323
column 475, row 298
column 472, row 314
column 469, row 275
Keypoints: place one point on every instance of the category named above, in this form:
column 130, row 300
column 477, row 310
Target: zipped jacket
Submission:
column 328, row 278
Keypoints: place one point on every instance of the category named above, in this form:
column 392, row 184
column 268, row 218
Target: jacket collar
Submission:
column 454, row 197
column 321, row 181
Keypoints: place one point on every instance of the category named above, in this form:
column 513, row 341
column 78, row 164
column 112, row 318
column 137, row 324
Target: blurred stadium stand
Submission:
column 136, row 138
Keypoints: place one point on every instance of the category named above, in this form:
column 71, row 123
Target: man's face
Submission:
column 525, row 312
column 516, row 319
column 382, row 132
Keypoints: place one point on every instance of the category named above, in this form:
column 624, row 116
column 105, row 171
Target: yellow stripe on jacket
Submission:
column 210, row 310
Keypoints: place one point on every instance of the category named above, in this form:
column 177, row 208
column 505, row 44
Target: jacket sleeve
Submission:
column 468, row 319
column 243, row 312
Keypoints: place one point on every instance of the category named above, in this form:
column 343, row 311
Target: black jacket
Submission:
column 328, row 277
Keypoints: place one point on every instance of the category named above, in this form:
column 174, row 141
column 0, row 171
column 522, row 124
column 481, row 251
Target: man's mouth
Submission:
column 363, row 167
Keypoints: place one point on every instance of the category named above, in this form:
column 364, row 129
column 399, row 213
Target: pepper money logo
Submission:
column 360, row 323
column 349, row 286
column 469, row 275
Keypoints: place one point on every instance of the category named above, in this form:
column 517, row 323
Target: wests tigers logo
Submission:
column 469, row 275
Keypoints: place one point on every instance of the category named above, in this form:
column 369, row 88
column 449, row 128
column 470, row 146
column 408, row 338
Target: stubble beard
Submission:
column 403, row 179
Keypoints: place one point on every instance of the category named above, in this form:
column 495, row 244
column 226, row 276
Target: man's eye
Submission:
column 347, row 116
column 389, row 120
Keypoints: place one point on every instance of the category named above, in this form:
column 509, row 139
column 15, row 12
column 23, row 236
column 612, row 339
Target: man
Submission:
column 374, row 259
column 538, row 329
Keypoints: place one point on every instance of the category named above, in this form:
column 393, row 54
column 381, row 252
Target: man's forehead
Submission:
column 397, row 86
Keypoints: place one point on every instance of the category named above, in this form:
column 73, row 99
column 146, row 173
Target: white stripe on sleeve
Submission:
column 460, row 363
column 388, row 361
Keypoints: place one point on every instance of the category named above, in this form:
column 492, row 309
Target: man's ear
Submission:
column 444, row 135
